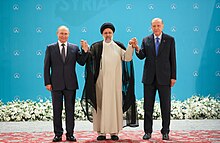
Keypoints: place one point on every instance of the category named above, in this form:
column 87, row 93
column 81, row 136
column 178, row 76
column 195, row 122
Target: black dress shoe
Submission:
column 147, row 136
column 165, row 136
column 57, row 139
column 71, row 138
column 101, row 137
column 114, row 137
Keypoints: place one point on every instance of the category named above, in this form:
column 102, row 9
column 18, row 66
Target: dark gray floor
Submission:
column 40, row 126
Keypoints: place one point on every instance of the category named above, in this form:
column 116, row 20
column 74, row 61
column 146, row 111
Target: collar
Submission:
column 160, row 36
column 62, row 43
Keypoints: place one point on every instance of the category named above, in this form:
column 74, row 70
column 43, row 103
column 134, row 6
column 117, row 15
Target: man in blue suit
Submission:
column 158, row 50
column 60, row 78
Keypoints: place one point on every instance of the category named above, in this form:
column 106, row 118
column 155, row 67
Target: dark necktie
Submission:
column 63, row 52
column 157, row 45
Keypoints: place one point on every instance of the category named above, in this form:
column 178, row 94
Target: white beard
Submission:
column 108, row 41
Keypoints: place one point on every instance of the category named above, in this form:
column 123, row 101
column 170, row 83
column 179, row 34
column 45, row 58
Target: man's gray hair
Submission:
column 63, row 27
column 157, row 19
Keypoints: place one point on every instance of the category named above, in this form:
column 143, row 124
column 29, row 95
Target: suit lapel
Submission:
column 152, row 44
column 68, row 52
column 162, row 44
column 57, row 51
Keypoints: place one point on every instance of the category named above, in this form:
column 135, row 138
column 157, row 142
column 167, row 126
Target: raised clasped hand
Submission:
column 134, row 43
column 84, row 45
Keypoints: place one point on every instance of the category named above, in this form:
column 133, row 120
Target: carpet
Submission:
column 198, row 136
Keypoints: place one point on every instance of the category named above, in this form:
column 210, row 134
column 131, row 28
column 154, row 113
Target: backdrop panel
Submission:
column 28, row 26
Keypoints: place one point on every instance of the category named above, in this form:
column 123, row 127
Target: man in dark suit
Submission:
column 60, row 78
column 159, row 74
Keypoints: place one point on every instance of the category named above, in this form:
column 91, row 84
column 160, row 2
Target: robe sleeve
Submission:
column 127, row 55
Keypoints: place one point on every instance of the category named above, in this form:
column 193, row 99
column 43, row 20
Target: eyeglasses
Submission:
column 107, row 33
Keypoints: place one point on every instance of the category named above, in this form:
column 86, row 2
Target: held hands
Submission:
column 134, row 43
column 84, row 45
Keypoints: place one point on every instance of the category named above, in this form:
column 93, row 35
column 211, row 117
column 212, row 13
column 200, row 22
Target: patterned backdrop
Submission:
column 27, row 26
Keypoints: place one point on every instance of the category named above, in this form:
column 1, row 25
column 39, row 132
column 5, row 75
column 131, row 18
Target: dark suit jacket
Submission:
column 163, row 66
column 59, row 74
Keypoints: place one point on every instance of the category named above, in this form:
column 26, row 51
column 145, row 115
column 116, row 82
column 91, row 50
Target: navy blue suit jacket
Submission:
column 161, row 67
column 59, row 74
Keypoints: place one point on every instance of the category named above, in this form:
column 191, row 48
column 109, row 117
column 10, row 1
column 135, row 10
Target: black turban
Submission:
column 107, row 25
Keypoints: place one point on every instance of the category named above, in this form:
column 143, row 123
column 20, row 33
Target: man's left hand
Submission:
column 134, row 43
column 172, row 82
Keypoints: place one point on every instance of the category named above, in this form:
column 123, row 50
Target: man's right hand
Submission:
column 49, row 87
column 134, row 43
column 84, row 45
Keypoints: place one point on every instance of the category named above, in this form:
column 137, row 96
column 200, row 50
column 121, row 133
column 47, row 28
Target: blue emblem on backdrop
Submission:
column 27, row 27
